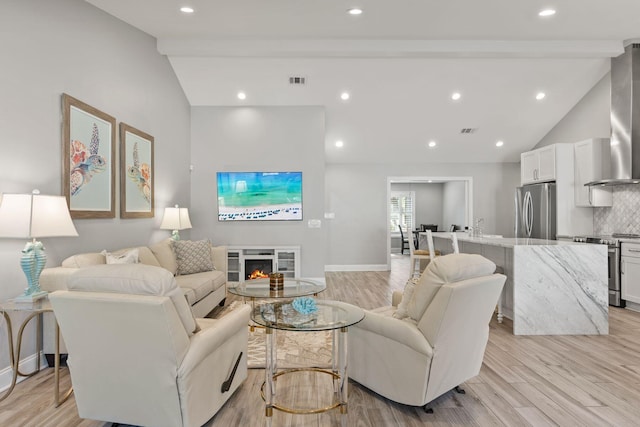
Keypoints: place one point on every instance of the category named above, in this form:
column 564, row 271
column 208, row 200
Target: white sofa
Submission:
column 134, row 357
column 434, row 336
column 203, row 291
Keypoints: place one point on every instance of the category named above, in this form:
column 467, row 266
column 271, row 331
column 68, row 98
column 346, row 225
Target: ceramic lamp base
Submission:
column 31, row 297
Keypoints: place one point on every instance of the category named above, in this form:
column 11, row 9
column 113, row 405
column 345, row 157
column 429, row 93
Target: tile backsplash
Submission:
column 624, row 214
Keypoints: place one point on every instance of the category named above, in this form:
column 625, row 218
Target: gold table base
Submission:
column 304, row 411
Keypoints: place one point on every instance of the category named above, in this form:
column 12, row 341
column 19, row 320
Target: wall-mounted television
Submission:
column 259, row 196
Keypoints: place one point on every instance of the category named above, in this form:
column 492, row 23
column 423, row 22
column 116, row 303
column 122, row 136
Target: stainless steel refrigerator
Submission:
column 536, row 211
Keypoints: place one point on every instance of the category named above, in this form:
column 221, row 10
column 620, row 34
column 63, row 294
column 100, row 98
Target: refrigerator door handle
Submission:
column 528, row 202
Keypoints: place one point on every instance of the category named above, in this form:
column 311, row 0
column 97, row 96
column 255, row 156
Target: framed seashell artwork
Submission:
column 89, row 159
column 136, row 173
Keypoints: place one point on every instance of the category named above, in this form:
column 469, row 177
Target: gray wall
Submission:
column 589, row 118
column 260, row 139
column 453, row 205
column 358, row 234
column 51, row 47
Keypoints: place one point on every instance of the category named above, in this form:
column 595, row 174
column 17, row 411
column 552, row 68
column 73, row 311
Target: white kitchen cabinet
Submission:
column 556, row 163
column 630, row 272
column 538, row 165
column 591, row 163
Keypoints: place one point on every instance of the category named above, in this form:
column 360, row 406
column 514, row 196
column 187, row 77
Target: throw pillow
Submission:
column 193, row 256
column 163, row 251
column 129, row 257
column 84, row 260
column 401, row 312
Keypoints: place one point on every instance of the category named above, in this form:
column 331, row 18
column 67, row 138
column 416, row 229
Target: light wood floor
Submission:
column 537, row 380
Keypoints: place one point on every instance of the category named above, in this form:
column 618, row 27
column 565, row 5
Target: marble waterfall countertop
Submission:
column 552, row 288
column 505, row 242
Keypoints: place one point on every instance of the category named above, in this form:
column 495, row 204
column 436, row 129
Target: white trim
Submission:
column 357, row 267
column 28, row 364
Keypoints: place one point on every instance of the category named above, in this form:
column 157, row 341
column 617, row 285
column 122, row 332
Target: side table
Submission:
column 33, row 310
column 332, row 316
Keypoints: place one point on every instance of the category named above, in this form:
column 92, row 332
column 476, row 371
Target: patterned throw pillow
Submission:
column 193, row 256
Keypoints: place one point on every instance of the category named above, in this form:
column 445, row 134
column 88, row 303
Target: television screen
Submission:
column 259, row 196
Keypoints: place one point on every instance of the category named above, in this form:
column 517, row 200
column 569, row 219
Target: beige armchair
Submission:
column 136, row 353
column 435, row 338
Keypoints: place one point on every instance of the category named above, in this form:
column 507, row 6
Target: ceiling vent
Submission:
column 468, row 130
column 297, row 80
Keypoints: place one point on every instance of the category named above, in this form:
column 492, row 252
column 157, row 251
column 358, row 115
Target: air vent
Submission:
column 468, row 130
column 297, row 80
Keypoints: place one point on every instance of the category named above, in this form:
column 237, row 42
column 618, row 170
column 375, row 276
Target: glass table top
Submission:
column 330, row 315
column 42, row 304
column 259, row 288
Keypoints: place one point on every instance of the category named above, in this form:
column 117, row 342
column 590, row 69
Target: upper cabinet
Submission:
column 591, row 163
column 538, row 165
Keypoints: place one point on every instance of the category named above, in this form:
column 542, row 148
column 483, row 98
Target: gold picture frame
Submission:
column 89, row 147
column 136, row 173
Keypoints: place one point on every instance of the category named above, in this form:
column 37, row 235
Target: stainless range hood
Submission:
column 625, row 119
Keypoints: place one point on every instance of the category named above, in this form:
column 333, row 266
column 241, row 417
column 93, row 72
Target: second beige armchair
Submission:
column 435, row 339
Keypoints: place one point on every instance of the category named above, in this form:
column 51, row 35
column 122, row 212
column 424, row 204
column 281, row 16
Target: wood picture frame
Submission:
column 136, row 173
column 89, row 147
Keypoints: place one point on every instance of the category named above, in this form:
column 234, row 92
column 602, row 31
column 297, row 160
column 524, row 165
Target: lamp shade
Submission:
column 175, row 219
column 34, row 216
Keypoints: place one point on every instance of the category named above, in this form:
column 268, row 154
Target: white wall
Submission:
column 51, row 47
column 260, row 139
column 589, row 118
column 357, row 235
column 453, row 205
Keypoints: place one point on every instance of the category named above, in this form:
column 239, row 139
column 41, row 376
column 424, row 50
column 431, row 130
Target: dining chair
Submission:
column 403, row 241
column 420, row 254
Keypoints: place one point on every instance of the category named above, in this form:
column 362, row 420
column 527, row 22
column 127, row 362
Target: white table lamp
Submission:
column 175, row 219
column 32, row 216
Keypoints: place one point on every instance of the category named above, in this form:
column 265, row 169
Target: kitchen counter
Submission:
column 552, row 288
column 505, row 242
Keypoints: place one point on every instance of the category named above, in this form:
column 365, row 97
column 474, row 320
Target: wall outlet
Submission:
column 314, row 223
column 329, row 215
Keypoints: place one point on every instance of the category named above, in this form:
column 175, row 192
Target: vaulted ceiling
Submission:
column 400, row 61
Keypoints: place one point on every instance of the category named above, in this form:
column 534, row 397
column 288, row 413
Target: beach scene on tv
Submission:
column 259, row 196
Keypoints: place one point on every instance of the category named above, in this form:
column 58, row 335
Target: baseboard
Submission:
column 633, row 306
column 363, row 267
column 28, row 364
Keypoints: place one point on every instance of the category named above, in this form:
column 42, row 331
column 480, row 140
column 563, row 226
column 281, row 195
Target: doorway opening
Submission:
column 441, row 201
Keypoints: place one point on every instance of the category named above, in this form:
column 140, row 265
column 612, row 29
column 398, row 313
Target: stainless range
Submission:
column 613, row 245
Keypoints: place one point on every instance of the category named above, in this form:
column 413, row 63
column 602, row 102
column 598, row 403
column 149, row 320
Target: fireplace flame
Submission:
column 257, row 274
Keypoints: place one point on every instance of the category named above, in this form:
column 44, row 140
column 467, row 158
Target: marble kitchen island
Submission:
column 552, row 288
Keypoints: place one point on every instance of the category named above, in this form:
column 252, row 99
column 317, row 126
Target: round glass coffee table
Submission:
column 260, row 289
column 332, row 316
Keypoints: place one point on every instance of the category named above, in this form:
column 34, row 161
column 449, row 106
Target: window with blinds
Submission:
column 402, row 211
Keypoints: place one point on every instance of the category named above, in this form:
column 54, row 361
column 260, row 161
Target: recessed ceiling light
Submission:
column 455, row 96
column 242, row 95
column 547, row 12
column 186, row 9
column 354, row 11
column 430, row 181
column 540, row 96
column 499, row 143
column 345, row 96
column 339, row 143
column 432, row 144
